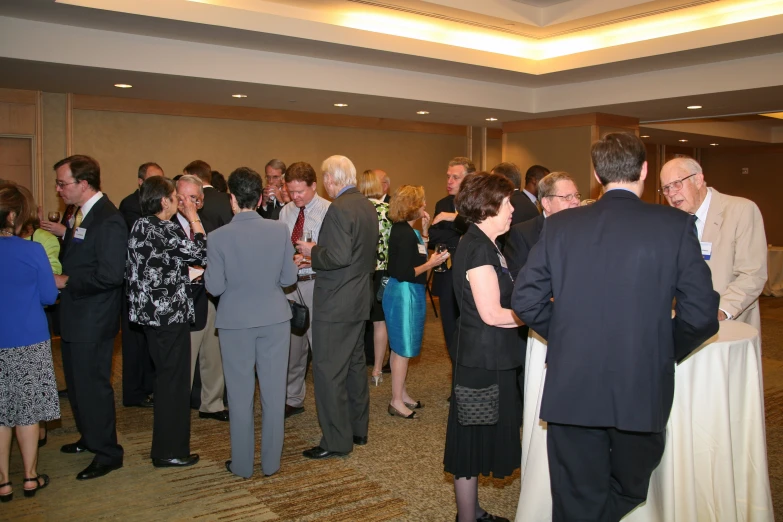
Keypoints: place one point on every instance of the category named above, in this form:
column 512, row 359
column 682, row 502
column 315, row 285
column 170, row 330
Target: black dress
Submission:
column 485, row 355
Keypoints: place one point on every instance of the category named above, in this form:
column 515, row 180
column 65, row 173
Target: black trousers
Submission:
column 138, row 373
column 87, row 368
column 599, row 474
column 449, row 311
column 169, row 347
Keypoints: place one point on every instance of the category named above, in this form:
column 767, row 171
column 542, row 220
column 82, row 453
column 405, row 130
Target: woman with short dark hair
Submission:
column 253, row 320
column 403, row 299
column 160, row 300
column 488, row 347
column 28, row 390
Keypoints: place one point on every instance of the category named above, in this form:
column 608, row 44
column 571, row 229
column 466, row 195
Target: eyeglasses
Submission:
column 569, row 198
column 674, row 185
column 61, row 184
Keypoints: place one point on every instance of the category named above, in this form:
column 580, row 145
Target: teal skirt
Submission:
column 404, row 305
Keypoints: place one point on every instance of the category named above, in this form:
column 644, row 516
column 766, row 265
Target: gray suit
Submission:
column 249, row 261
column 344, row 261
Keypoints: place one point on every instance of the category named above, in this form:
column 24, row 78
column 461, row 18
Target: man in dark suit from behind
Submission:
column 447, row 229
column 344, row 262
column 272, row 201
column 217, row 205
column 90, row 303
column 524, row 209
column 599, row 286
column 138, row 372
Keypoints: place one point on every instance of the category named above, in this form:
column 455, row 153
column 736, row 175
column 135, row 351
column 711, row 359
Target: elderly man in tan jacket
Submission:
column 731, row 232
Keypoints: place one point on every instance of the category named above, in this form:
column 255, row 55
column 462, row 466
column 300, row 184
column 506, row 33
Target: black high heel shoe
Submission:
column 38, row 485
column 394, row 412
column 8, row 497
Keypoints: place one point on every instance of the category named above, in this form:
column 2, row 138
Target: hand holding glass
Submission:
column 439, row 249
column 54, row 217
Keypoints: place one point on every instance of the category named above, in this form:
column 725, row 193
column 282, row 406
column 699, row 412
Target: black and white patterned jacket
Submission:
column 156, row 272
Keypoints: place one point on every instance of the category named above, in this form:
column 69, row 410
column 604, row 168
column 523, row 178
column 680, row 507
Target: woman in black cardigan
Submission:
column 403, row 300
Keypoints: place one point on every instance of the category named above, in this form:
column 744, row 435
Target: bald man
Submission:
column 731, row 232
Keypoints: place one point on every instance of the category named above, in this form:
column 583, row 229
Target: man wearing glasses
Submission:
column 731, row 233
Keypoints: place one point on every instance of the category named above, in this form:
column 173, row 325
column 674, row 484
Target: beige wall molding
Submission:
column 18, row 96
column 575, row 120
column 21, row 117
column 101, row 103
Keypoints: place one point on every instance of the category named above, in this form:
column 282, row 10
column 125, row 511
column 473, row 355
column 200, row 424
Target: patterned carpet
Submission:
column 397, row 476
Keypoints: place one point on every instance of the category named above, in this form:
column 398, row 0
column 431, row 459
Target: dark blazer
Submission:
column 613, row 269
column 271, row 211
column 448, row 233
column 131, row 209
column 217, row 207
column 524, row 209
column 344, row 259
column 404, row 254
column 386, row 198
column 521, row 238
column 91, row 301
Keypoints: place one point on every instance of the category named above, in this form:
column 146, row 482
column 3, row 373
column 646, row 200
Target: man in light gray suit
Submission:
column 344, row 261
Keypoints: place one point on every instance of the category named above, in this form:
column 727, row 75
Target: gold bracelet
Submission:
column 194, row 221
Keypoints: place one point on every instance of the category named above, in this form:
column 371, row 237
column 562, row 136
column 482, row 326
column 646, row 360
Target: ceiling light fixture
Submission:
column 422, row 112
column 644, row 136
column 492, row 119
column 341, row 105
column 693, row 107
column 239, row 95
column 683, row 141
column 713, row 144
column 123, row 85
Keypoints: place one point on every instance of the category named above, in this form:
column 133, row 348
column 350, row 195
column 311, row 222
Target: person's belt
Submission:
column 308, row 277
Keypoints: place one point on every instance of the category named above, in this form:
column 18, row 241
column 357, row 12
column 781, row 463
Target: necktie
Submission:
column 78, row 220
column 696, row 226
column 296, row 234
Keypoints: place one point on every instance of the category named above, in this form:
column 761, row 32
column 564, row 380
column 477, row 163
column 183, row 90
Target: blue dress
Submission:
column 404, row 301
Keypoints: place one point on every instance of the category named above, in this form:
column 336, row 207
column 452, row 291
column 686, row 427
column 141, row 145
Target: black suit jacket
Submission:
column 90, row 303
column 344, row 259
column 217, row 207
column 448, row 233
column 521, row 238
column 130, row 207
column 271, row 211
column 200, row 296
column 613, row 269
column 524, row 209
column 386, row 198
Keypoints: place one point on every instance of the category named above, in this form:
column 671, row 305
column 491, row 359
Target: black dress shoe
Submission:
column 486, row 517
column 319, row 453
column 96, row 469
column 293, row 410
column 174, row 463
column 74, row 447
column 218, row 415
column 360, row 441
column 149, row 402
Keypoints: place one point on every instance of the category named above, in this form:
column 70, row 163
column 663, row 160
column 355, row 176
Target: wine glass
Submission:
column 54, row 217
column 307, row 237
column 439, row 249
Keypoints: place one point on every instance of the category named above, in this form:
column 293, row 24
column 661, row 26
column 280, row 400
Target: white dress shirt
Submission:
column 314, row 216
column 701, row 214
column 530, row 196
column 89, row 204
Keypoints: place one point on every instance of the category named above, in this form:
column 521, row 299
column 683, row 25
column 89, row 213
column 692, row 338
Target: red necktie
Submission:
column 296, row 235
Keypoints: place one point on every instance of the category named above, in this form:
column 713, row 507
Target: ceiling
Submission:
column 461, row 60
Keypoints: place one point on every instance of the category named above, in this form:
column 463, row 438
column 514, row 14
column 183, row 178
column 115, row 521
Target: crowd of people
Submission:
column 177, row 265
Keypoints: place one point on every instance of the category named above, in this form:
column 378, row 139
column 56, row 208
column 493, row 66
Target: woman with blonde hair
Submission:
column 370, row 186
column 403, row 299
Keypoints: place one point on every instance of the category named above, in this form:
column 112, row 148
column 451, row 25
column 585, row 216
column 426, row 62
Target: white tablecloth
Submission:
column 774, row 285
column 714, row 467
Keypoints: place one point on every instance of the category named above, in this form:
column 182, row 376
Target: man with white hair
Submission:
column 344, row 261
column 731, row 233
column 385, row 184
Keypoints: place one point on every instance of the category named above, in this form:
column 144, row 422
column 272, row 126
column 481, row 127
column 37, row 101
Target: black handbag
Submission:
column 381, row 289
column 300, row 314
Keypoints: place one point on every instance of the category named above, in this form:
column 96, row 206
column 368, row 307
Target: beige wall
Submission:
column 565, row 149
column 53, row 108
column 494, row 152
column 763, row 184
column 123, row 141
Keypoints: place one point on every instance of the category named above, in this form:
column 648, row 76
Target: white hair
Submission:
column 340, row 169
column 689, row 165
column 193, row 180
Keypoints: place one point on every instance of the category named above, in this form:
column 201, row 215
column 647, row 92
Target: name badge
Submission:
column 502, row 261
column 422, row 249
column 79, row 234
column 706, row 249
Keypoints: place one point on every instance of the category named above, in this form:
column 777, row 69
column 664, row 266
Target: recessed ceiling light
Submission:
column 683, row 141
column 422, row 112
column 694, row 107
column 341, row 105
column 644, row 136
column 713, row 144
column 123, row 85
column 492, row 119
column 239, row 95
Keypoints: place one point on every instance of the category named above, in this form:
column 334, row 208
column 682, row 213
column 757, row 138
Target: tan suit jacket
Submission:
column 739, row 255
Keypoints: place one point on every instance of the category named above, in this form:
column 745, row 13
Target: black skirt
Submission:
column 483, row 450
column 376, row 312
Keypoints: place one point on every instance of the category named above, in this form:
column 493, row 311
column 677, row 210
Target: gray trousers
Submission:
column 205, row 348
column 340, row 377
column 297, row 358
column 264, row 348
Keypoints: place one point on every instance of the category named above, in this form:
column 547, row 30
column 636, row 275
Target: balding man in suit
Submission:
column 731, row 232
